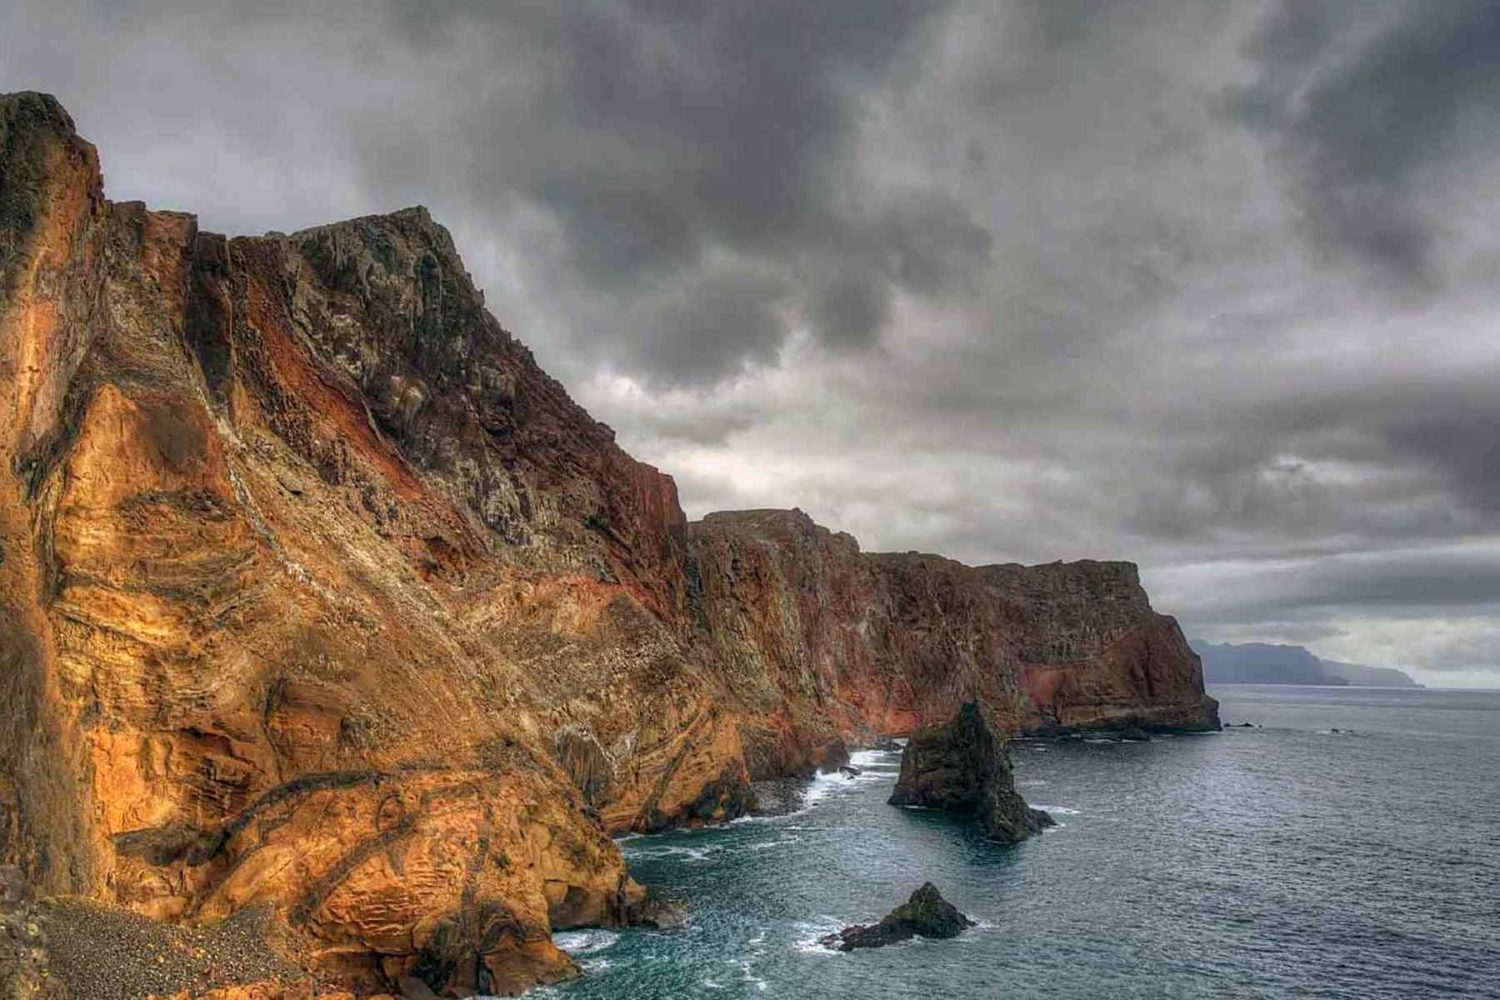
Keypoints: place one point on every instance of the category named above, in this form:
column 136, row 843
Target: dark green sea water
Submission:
column 1286, row 861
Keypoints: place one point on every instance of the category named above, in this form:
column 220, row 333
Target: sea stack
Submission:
column 925, row 914
column 962, row 766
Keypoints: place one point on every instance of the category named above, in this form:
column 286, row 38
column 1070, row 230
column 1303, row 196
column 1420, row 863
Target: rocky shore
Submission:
column 319, row 599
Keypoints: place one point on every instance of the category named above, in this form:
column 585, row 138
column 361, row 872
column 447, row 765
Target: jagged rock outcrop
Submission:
column 318, row 595
column 962, row 766
column 926, row 914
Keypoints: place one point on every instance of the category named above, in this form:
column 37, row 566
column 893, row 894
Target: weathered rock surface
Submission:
column 295, row 538
column 925, row 914
column 271, row 989
column 841, row 645
column 962, row 766
column 317, row 595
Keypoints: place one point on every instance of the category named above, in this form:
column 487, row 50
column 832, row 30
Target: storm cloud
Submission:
column 1207, row 285
column 1367, row 108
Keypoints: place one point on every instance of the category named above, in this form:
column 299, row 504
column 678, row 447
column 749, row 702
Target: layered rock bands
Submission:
column 318, row 596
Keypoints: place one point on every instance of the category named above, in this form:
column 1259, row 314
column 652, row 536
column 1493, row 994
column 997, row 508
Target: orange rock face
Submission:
column 316, row 593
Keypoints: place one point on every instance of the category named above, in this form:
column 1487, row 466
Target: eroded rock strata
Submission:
column 318, row 595
column 961, row 766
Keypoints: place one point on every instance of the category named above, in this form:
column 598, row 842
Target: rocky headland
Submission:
column 319, row 599
column 1272, row 663
column 962, row 767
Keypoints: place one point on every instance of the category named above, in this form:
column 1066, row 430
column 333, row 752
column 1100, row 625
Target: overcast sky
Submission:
column 1212, row 286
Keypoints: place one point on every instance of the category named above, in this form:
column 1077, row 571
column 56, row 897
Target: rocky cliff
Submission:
column 317, row 595
column 807, row 628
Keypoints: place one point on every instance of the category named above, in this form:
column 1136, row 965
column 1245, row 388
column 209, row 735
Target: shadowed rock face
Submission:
column 962, row 767
column 317, row 594
column 926, row 914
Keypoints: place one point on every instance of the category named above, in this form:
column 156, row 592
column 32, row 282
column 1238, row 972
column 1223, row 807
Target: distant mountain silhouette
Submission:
column 1268, row 663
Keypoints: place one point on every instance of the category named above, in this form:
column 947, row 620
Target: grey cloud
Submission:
column 665, row 134
column 1463, row 652
column 1289, row 633
column 688, row 336
column 1390, row 583
column 1021, row 280
column 1364, row 101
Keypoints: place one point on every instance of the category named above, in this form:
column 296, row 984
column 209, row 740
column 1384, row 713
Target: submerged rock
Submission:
column 962, row 767
column 657, row 912
column 925, row 914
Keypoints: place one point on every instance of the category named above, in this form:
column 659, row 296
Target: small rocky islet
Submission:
column 926, row 914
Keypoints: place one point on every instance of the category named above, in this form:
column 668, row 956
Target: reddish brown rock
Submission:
column 317, row 595
column 832, row 643
column 273, row 633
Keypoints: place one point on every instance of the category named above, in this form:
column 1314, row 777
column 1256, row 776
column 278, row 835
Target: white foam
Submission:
column 835, row 782
column 1058, row 810
column 874, row 758
column 684, row 852
column 585, row 942
column 746, row 976
column 808, row 933
column 875, row 766
column 821, row 786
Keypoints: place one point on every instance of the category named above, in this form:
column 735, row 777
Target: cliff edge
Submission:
column 318, row 597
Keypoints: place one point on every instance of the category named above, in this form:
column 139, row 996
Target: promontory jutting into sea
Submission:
column 347, row 654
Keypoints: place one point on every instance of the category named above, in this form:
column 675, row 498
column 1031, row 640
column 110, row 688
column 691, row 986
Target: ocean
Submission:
column 1348, row 847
